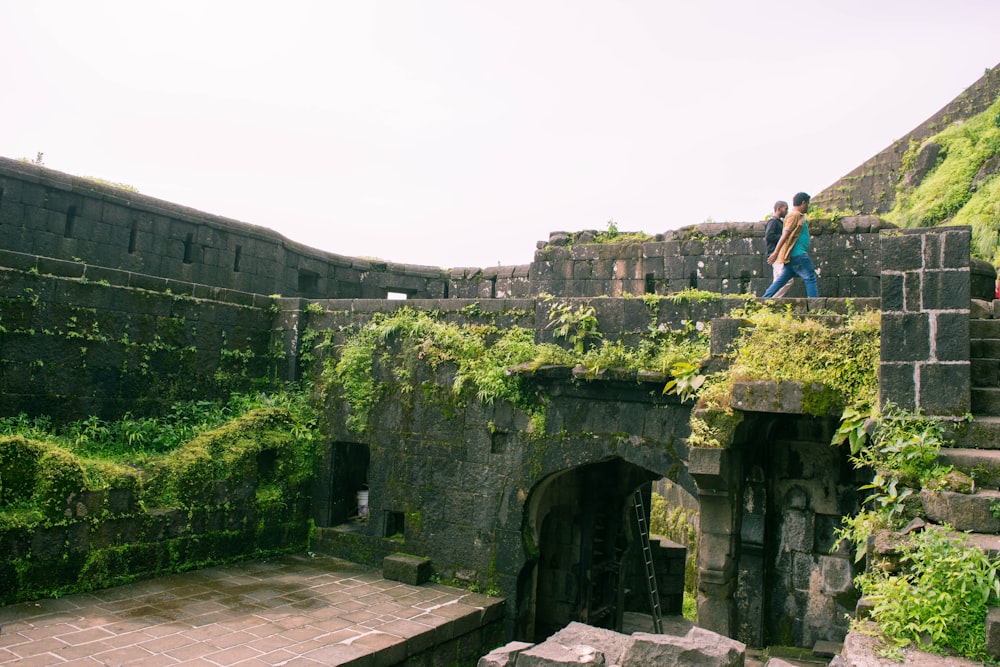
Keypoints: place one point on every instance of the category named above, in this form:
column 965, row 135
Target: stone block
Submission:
column 504, row 655
column 993, row 632
column 897, row 384
column 946, row 290
column 964, row 512
column 797, row 533
column 905, row 337
column 709, row 466
column 944, row 389
column 837, row 575
column 892, row 291
column 550, row 653
column 951, row 336
column 724, row 332
column 697, row 646
column 612, row 645
column 957, row 247
column 413, row 570
column 901, row 251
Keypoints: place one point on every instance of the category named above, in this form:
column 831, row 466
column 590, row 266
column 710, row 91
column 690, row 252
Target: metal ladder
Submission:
column 647, row 556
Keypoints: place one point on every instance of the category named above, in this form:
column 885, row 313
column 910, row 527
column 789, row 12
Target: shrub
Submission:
column 939, row 599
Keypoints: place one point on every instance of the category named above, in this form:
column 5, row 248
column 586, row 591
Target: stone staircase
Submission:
column 976, row 448
column 972, row 509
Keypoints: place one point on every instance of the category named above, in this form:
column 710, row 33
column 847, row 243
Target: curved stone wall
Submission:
column 46, row 213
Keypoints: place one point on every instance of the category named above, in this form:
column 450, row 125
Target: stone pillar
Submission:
column 926, row 298
column 717, row 473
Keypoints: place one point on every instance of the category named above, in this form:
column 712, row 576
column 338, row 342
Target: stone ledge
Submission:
column 784, row 397
column 413, row 570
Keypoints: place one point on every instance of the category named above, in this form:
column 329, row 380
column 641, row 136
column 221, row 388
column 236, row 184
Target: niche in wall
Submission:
column 346, row 476
column 308, row 283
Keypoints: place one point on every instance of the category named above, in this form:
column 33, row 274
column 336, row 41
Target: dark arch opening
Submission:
column 583, row 557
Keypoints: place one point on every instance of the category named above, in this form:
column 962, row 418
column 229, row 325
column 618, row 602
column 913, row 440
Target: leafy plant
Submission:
column 687, row 379
column 481, row 355
column 940, row 596
column 901, row 451
column 946, row 195
column 576, row 324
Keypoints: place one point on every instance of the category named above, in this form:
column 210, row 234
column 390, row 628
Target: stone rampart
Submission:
column 51, row 214
column 725, row 258
column 44, row 213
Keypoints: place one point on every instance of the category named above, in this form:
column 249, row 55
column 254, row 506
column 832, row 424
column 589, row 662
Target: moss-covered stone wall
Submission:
column 239, row 491
column 72, row 347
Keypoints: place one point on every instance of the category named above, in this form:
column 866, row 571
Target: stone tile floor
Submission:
column 295, row 610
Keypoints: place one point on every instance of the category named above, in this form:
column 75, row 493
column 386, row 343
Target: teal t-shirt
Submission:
column 801, row 246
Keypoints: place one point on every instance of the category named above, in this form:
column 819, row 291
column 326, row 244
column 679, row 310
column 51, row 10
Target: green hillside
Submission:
column 960, row 187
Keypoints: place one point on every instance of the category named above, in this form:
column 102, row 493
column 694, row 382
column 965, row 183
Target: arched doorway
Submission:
column 579, row 536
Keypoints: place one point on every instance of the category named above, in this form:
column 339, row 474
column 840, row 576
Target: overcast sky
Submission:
column 461, row 132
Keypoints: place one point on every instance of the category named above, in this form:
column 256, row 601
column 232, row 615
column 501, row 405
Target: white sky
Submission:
column 461, row 132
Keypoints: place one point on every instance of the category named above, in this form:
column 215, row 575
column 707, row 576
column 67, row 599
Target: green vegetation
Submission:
column 611, row 236
column 136, row 473
column 940, row 598
column 937, row 598
column 391, row 344
column 481, row 355
column 838, row 356
column 951, row 193
column 576, row 325
column 39, row 461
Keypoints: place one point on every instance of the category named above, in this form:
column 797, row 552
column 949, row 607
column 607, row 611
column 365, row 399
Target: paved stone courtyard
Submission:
column 296, row 610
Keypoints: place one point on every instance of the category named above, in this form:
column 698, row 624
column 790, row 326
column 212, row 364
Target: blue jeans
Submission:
column 801, row 266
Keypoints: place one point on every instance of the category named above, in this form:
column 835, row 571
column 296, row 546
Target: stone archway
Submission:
column 579, row 537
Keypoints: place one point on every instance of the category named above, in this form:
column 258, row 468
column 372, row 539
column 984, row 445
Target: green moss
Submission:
column 945, row 195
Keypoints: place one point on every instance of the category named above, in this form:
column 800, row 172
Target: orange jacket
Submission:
column 793, row 225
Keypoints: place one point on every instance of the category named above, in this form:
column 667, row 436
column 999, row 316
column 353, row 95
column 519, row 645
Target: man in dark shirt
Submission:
column 772, row 232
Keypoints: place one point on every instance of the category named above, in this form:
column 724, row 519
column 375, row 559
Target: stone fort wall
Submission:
column 44, row 213
column 50, row 214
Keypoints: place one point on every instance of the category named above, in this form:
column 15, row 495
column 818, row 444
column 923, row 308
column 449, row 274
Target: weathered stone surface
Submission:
column 993, row 632
column 698, row 647
column 504, row 655
column 608, row 642
column 962, row 511
column 413, row 570
column 925, row 161
column 681, row 644
column 550, row 653
column 861, row 650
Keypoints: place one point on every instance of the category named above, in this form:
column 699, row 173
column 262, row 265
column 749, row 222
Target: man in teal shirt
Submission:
column 793, row 250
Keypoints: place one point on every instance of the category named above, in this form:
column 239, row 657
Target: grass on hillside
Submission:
column 946, row 196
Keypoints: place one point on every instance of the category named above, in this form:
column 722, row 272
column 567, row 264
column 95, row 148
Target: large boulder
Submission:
column 504, row 655
column 681, row 644
column 697, row 648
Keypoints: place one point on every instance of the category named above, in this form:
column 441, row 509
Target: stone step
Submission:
column 984, row 348
column 985, row 372
column 989, row 544
column 986, row 401
column 964, row 512
column 983, row 465
column 979, row 328
column 983, row 432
